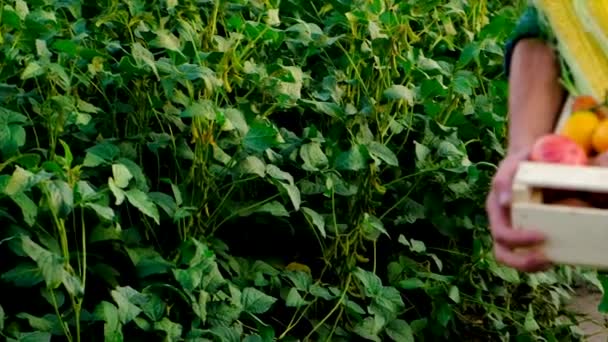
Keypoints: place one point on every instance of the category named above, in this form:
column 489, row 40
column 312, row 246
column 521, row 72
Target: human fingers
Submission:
column 533, row 261
column 503, row 179
column 501, row 230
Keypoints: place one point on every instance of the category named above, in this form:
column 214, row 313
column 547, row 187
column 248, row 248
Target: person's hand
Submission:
column 507, row 239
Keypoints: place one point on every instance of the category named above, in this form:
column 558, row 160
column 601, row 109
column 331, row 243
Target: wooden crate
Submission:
column 575, row 236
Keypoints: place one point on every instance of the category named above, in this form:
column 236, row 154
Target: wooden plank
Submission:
column 560, row 176
column 524, row 193
column 576, row 236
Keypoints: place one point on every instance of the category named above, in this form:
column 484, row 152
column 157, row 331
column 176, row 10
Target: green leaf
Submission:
column 273, row 208
column 49, row 323
column 412, row 211
column 317, row 220
column 505, row 273
column 153, row 307
column 370, row 328
column 464, row 82
column 237, row 119
column 281, row 176
column 22, row 9
column 313, row 156
column 164, row 201
column 299, row 275
column 377, row 150
column 226, row 333
column 372, row 284
column 220, row 155
column 86, row 106
column 252, row 165
column 276, row 173
column 108, row 313
column 49, row 263
column 173, row 330
column 261, row 136
column 321, row 292
column 102, row 153
column 103, row 212
column 443, row 313
column 399, row 331
column 92, row 160
column 422, row 151
column 328, row 108
column 166, row 40
column 21, row 180
column 118, row 193
column 127, row 311
column 352, row 160
column 25, row 274
column 33, row 69
column 29, row 209
column 10, row 18
column 148, row 262
column 468, row 54
column 411, row 283
column 143, row 56
column 177, row 194
column 372, row 227
column 294, row 194
column 136, row 171
column 60, row 197
column 140, row 200
column 121, row 175
column 294, row 299
column 34, row 336
column 256, row 302
column 12, row 132
column 73, row 285
column 454, row 294
column 354, row 307
column 415, row 246
column 189, row 279
column 530, row 323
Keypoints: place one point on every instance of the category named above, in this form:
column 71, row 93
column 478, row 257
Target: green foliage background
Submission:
column 249, row 170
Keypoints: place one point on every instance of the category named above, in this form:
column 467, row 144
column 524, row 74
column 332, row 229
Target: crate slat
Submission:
column 576, row 236
column 560, row 176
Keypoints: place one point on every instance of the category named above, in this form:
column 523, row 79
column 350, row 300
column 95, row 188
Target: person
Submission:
column 534, row 102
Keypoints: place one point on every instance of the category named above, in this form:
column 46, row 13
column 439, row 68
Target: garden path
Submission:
column 593, row 323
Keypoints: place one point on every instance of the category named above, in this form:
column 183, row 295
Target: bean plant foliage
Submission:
column 258, row 170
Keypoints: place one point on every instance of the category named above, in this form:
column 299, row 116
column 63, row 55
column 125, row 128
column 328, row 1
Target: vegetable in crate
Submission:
column 580, row 127
column 555, row 148
column 599, row 140
column 588, row 128
column 589, row 103
column 573, row 202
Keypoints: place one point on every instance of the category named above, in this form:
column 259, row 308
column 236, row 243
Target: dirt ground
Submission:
column 592, row 323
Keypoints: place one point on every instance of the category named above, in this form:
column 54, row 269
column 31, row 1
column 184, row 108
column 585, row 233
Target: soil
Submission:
column 593, row 323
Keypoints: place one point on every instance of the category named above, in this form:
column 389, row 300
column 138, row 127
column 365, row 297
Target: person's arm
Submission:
column 535, row 98
column 536, row 95
column 535, row 92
